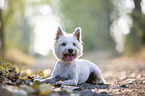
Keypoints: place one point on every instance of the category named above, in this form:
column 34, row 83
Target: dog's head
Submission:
column 68, row 46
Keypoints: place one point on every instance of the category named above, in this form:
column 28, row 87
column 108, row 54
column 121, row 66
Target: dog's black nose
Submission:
column 70, row 50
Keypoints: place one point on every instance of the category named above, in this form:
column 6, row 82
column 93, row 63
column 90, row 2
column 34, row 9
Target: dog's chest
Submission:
column 66, row 72
column 65, row 76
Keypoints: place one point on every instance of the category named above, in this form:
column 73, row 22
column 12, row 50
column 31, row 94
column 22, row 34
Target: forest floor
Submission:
column 124, row 76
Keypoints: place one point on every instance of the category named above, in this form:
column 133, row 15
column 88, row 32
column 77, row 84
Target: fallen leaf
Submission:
column 45, row 89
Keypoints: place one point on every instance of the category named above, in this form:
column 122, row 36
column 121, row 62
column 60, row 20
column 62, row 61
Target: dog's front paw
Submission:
column 38, row 81
column 60, row 83
column 101, row 82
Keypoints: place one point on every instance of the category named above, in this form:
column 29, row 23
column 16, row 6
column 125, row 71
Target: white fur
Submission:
column 74, row 71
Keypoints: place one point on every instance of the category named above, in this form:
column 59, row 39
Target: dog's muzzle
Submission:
column 70, row 55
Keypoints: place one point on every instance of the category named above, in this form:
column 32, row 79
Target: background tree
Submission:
column 15, row 31
column 135, row 40
column 1, row 35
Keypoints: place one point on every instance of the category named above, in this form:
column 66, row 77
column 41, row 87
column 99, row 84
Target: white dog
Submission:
column 69, row 69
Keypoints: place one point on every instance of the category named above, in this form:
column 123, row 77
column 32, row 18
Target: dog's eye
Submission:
column 74, row 44
column 63, row 44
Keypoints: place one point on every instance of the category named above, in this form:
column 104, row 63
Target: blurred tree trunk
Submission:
column 108, row 6
column 1, row 36
column 137, row 5
column 135, row 40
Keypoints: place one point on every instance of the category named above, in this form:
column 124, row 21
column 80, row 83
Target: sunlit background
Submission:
column 113, row 35
column 45, row 24
column 28, row 27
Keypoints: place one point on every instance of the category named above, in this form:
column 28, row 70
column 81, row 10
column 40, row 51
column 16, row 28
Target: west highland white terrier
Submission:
column 69, row 69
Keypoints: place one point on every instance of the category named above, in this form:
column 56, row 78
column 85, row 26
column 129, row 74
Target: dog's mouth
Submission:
column 69, row 57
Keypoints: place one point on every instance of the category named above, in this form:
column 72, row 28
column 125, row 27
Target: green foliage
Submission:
column 92, row 16
column 13, row 75
column 15, row 26
column 135, row 40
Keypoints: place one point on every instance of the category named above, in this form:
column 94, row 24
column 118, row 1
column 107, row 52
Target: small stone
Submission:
column 133, row 75
column 124, row 86
column 103, row 92
column 19, row 81
column 140, row 76
column 142, row 82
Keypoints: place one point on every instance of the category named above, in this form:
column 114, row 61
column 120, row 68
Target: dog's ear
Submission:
column 77, row 33
column 59, row 32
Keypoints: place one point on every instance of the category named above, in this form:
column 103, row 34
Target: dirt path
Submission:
column 124, row 76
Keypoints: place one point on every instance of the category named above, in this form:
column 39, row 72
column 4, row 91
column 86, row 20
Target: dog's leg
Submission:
column 99, row 77
column 71, row 81
column 47, row 80
column 50, row 80
column 68, row 82
column 53, row 79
